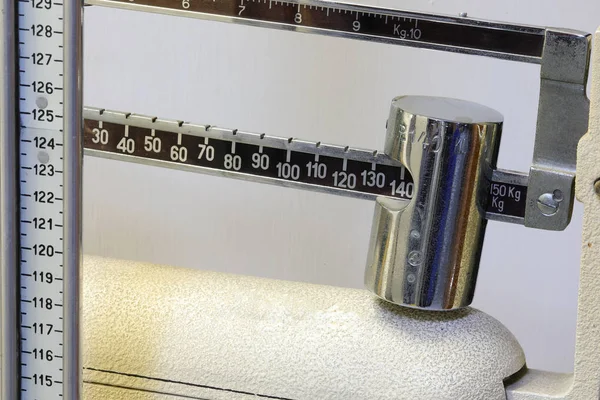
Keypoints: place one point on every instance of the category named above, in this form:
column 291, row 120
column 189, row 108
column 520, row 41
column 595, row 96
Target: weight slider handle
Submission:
column 425, row 253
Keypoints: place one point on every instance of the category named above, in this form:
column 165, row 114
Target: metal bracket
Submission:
column 562, row 120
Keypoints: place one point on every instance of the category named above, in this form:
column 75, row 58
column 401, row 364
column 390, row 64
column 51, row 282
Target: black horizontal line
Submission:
column 257, row 395
column 115, row 386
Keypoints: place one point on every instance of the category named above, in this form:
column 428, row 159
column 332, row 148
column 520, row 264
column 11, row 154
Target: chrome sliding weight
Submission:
column 425, row 252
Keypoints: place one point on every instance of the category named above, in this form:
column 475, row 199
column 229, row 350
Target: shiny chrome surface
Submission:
column 9, row 198
column 73, row 212
column 426, row 254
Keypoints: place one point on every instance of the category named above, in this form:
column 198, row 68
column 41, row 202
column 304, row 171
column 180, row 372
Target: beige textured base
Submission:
column 202, row 335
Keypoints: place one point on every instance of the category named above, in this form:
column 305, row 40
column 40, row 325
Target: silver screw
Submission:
column 548, row 203
column 463, row 15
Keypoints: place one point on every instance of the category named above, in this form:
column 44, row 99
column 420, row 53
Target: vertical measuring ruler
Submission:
column 40, row 198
